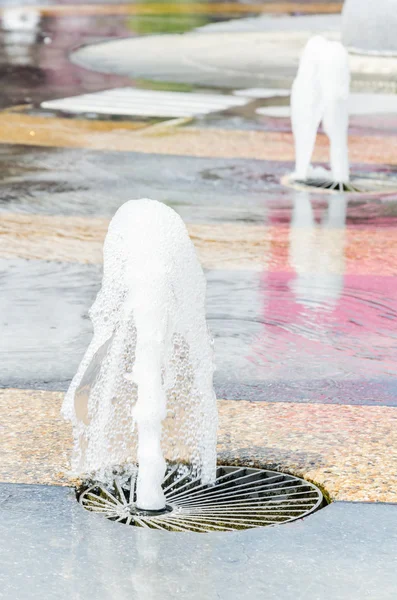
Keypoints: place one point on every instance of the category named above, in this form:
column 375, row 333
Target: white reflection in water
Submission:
column 316, row 251
column 20, row 26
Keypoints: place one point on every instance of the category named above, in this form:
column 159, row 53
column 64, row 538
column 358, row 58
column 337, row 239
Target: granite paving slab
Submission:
column 349, row 450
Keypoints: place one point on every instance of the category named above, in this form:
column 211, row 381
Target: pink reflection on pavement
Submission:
column 320, row 322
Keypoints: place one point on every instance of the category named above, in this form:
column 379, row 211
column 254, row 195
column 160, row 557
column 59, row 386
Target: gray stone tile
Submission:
column 52, row 548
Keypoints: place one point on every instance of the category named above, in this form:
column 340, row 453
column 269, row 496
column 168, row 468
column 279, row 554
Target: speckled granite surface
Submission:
column 185, row 141
column 350, row 450
column 220, row 246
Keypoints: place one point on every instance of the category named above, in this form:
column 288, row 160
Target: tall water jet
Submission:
column 320, row 93
column 144, row 389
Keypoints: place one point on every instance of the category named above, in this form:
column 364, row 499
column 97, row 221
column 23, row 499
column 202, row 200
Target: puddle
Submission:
column 79, row 182
column 285, row 338
column 278, row 336
column 44, row 324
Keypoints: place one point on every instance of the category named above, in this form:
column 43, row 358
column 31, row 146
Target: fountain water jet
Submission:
column 144, row 387
column 320, row 92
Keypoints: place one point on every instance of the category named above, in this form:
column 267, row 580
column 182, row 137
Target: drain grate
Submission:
column 332, row 186
column 358, row 184
column 240, row 498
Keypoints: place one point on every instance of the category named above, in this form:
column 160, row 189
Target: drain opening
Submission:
column 240, row 498
column 358, row 184
column 335, row 186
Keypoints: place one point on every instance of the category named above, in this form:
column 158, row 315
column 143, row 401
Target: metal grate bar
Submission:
column 240, row 498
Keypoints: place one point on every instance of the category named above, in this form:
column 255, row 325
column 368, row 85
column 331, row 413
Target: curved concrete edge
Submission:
column 207, row 59
column 370, row 27
column 267, row 58
column 52, row 546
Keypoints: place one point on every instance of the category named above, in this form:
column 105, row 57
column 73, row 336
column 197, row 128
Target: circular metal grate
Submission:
column 240, row 498
column 358, row 184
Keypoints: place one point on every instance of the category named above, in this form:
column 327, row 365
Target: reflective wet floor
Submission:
column 301, row 283
column 301, row 288
column 301, row 295
column 90, row 555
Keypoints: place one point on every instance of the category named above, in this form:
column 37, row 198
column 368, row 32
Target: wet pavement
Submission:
column 92, row 556
column 303, row 311
column 301, row 284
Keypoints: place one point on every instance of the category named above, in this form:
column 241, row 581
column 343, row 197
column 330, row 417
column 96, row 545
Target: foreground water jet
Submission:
column 320, row 93
column 144, row 389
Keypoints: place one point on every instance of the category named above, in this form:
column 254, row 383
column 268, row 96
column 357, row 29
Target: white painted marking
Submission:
column 274, row 111
column 263, row 93
column 133, row 102
column 358, row 104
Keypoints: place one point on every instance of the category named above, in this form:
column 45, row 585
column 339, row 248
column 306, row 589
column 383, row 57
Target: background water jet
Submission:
column 320, row 93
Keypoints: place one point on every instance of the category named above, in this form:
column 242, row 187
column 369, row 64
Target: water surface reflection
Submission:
column 316, row 252
column 328, row 333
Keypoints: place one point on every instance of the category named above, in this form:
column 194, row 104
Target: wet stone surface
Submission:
column 88, row 183
column 34, row 47
column 312, row 322
column 271, row 342
column 79, row 182
column 44, row 322
column 301, row 301
column 350, row 451
column 49, row 540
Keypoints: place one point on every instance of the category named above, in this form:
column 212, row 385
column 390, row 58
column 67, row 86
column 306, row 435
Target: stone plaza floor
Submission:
column 301, row 293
